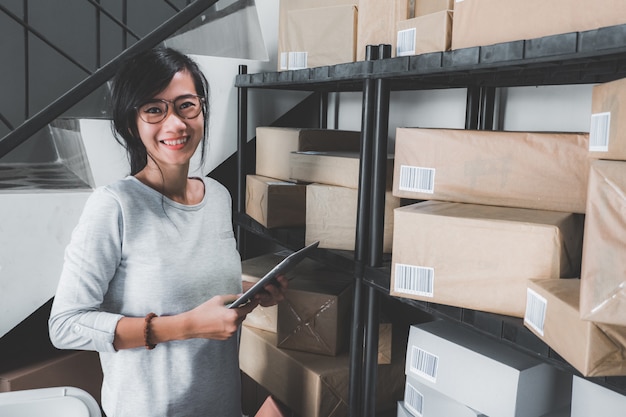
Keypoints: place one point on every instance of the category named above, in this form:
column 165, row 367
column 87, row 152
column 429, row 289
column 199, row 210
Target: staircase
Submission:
column 55, row 140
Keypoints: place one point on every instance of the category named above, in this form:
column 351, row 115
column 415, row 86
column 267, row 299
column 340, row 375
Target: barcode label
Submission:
column 599, row 132
column 424, row 364
column 417, row 179
column 416, row 280
column 414, row 400
column 535, row 315
column 298, row 60
column 405, row 42
column 284, row 60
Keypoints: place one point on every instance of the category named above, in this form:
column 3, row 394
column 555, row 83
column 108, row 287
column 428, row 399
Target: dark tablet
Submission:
column 281, row 269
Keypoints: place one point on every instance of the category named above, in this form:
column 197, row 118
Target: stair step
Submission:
column 39, row 176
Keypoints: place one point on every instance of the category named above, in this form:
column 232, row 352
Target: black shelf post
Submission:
column 242, row 142
column 376, row 238
column 357, row 338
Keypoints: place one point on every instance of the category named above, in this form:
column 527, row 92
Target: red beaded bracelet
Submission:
column 146, row 331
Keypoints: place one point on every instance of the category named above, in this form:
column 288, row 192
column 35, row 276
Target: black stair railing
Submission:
column 181, row 16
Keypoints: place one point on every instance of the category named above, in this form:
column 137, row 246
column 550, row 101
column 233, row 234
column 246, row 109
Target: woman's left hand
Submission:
column 274, row 292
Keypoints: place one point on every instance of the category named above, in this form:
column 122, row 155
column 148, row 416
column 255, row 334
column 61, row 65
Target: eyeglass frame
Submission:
column 167, row 107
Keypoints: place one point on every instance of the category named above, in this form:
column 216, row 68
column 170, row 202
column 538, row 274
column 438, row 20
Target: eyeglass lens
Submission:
column 186, row 107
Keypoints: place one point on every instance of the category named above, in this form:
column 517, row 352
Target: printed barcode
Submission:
column 599, row 132
column 405, row 42
column 417, row 179
column 414, row 400
column 297, row 60
column 417, row 280
column 424, row 364
column 535, row 315
column 284, row 60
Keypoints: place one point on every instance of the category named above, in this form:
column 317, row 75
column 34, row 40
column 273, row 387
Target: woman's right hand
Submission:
column 214, row 320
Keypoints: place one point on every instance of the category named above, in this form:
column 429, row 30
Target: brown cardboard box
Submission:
column 275, row 203
column 423, row 34
column 486, row 22
column 286, row 6
column 312, row 318
column 602, row 296
column 607, row 135
column 312, row 385
column 253, row 269
column 553, row 314
column 480, row 257
column 331, row 217
column 80, row 369
column 274, row 145
column 377, row 22
column 320, row 36
column 424, row 7
column 331, row 168
column 546, row 171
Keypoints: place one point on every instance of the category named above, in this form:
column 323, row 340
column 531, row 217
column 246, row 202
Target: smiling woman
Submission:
column 153, row 260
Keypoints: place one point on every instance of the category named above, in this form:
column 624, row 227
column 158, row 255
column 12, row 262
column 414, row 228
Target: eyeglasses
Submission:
column 186, row 107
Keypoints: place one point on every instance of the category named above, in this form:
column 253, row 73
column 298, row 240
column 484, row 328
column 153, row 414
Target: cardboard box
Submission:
column 266, row 318
column 331, row 214
column 331, row 168
column 274, row 145
column 607, row 134
column 320, row 36
column 482, row 373
column 80, row 369
column 312, row 318
column 424, row 7
column 602, row 297
column 401, row 411
column 545, row 171
column 590, row 399
column 312, row 385
column 480, row 257
column 512, row 20
column 377, row 22
column 553, row 314
column 287, row 6
column 275, row 203
column 424, row 34
column 253, row 269
column 421, row 400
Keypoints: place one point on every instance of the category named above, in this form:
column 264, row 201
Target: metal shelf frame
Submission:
column 589, row 57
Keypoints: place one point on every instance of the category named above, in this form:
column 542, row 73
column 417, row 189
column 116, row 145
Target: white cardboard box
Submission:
column 484, row 374
column 421, row 400
column 590, row 399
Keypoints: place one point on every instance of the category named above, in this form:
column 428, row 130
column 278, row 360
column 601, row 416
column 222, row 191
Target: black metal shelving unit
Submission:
column 589, row 57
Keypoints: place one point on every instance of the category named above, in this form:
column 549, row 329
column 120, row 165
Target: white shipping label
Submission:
column 414, row 400
column 405, row 44
column 298, row 60
column 535, row 315
column 424, row 364
column 284, row 60
column 417, row 179
column 416, row 280
column 599, row 132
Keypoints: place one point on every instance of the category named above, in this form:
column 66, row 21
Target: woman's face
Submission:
column 173, row 140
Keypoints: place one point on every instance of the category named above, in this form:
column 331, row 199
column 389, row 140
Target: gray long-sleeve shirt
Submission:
column 135, row 251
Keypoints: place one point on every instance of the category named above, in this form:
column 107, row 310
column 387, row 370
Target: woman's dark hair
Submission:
column 141, row 78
